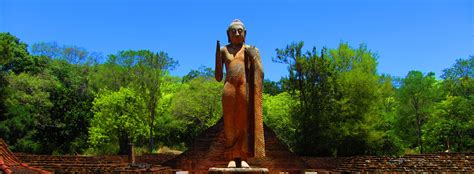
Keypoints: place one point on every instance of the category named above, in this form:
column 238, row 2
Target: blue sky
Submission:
column 407, row 35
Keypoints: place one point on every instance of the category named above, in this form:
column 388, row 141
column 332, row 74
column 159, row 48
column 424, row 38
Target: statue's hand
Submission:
column 251, row 52
column 218, row 70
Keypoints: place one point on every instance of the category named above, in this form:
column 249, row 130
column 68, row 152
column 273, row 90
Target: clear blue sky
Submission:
column 425, row 35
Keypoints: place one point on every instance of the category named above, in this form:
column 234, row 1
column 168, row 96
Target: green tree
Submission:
column 451, row 127
column 311, row 82
column 141, row 70
column 147, row 73
column 198, row 102
column 272, row 87
column 340, row 97
column 170, row 129
column 462, row 68
column 382, row 138
column 417, row 95
column 11, row 51
column 65, row 128
column 72, row 54
column 202, row 71
column 24, row 94
column 14, row 55
column 117, row 120
column 359, row 86
column 28, row 101
column 277, row 115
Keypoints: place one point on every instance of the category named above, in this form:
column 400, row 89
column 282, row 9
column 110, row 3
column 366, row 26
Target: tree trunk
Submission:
column 151, row 145
column 151, row 107
column 418, row 124
column 123, row 143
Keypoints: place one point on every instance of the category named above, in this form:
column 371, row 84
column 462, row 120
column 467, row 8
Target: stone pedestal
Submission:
column 215, row 170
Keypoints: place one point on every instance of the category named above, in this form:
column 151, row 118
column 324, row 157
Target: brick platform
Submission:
column 95, row 164
column 424, row 163
column 143, row 170
column 208, row 151
column 214, row 170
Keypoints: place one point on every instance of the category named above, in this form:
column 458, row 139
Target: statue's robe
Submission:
column 254, row 75
column 243, row 119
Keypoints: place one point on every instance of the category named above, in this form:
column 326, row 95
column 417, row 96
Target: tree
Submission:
column 24, row 94
column 11, row 51
column 27, row 102
column 462, row 68
column 141, row 70
column 13, row 54
column 272, row 87
column 117, row 120
column 148, row 71
column 202, row 71
column 382, row 138
column 277, row 115
column 417, row 95
column 311, row 82
column 451, row 127
column 198, row 102
column 358, row 86
column 170, row 129
column 458, row 79
column 72, row 54
column 339, row 94
column 65, row 129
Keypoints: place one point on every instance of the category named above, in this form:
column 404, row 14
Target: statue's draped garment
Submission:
column 247, row 138
column 255, row 88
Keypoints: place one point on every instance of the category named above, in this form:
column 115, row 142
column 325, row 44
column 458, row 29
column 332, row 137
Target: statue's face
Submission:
column 236, row 34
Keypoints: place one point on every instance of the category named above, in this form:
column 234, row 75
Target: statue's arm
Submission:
column 219, row 62
column 257, row 60
column 254, row 55
column 258, row 67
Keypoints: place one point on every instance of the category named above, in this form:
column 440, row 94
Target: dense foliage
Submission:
column 60, row 100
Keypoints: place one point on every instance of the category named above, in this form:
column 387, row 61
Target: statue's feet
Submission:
column 244, row 164
column 231, row 164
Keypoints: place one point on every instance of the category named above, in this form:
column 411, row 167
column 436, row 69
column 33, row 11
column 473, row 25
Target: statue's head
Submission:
column 236, row 32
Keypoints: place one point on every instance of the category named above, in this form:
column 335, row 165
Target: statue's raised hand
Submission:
column 218, row 70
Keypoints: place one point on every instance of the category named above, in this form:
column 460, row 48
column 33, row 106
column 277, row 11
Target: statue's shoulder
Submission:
column 251, row 47
column 252, row 50
column 223, row 49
